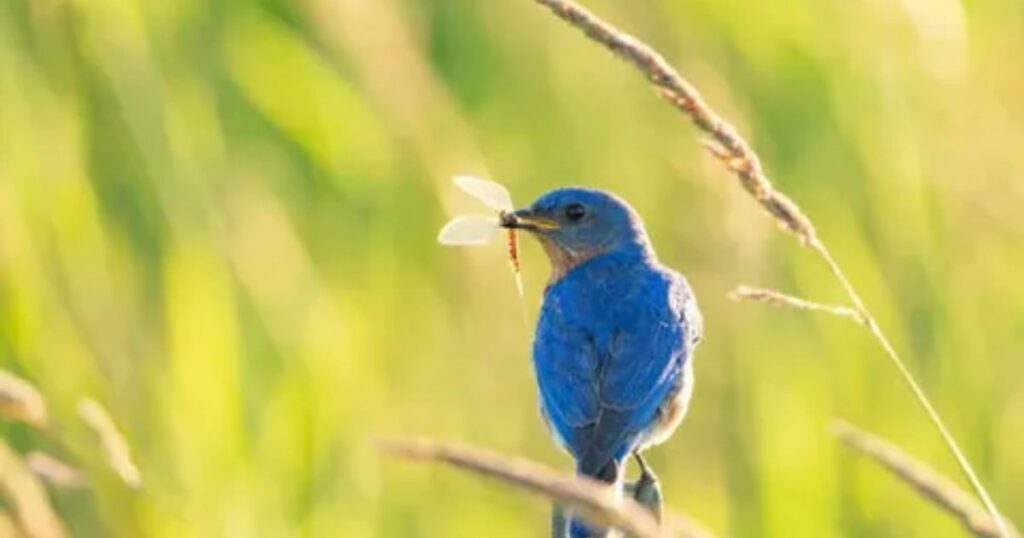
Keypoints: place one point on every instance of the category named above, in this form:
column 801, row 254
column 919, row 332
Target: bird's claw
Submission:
column 559, row 522
column 646, row 490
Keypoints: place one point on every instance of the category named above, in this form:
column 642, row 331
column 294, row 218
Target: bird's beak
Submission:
column 525, row 219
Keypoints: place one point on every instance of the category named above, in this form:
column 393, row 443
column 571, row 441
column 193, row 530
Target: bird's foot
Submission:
column 646, row 490
column 559, row 522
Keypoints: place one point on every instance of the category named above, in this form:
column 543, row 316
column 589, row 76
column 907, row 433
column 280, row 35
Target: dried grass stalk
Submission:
column 20, row 400
column 589, row 496
column 777, row 298
column 935, row 487
column 34, row 515
column 725, row 142
column 54, row 471
column 728, row 146
column 114, row 445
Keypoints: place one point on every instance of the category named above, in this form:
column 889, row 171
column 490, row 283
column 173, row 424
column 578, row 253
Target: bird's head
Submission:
column 576, row 224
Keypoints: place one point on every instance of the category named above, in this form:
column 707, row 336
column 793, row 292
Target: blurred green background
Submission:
column 219, row 219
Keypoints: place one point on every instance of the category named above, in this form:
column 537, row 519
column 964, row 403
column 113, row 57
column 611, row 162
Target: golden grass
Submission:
column 115, row 447
column 20, row 400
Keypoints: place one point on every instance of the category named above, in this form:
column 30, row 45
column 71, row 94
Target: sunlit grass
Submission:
column 219, row 221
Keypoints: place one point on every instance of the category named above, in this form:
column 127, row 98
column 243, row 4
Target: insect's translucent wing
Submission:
column 469, row 230
column 493, row 194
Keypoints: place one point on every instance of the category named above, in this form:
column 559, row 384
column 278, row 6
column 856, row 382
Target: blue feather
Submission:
column 610, row 346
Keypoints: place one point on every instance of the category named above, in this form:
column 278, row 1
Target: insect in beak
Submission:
column 472, row 230
column 525, row 219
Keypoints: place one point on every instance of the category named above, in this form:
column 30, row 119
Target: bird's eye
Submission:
column 575, row 212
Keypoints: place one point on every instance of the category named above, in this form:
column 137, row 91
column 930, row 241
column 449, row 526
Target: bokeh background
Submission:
column 219, row 219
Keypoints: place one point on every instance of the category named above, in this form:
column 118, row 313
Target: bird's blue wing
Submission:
column 566, row 362
column 642, row 369
column 606, row 364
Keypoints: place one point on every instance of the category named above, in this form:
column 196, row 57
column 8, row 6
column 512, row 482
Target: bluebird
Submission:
column 614, row 344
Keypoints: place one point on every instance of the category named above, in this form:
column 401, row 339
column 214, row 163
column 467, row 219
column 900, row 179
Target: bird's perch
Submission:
column 587, row 495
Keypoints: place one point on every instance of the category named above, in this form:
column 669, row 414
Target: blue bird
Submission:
column 613, row 351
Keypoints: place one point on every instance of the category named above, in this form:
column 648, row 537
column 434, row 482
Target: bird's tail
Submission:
column 610, row 474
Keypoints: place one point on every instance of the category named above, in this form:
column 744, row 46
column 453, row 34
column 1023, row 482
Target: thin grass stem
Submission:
column 932, row 485
column 727, row 145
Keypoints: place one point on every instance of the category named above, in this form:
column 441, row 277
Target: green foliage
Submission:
column 218, row 219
